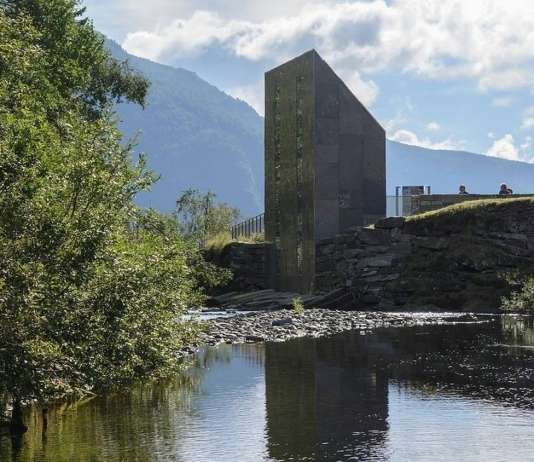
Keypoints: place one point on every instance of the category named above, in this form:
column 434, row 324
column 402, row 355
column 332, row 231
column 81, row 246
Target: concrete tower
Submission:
column 324, row 166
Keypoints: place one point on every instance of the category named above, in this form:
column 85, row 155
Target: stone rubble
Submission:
column 282, row 325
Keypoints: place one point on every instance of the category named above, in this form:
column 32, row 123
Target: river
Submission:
column 461, row 392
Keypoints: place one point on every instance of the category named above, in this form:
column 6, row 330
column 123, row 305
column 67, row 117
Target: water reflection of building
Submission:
column 325, row 398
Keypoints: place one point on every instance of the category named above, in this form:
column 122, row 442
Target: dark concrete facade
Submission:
column 324, row 165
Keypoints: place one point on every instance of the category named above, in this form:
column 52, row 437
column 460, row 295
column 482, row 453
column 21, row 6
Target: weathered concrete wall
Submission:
column 430, row 264
column 324, row 166
column 290, row 172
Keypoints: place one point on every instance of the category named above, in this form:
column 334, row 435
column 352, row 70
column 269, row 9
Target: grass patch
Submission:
column 258, row 238
column 219, row 242
column 471, row 207
column 297, row 305
column 457, row 217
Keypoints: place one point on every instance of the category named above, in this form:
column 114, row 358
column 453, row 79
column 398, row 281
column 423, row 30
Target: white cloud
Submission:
column 525, row 146
column 365, row 90
column 504, row 101
column 491, row 135
column 490, row 41
column 528, row 123
column 252, row 94
column 187, row 37
column 504, row 148
column 395, row 122
column 508, row 79
column 433, row 127
column 118, row 17
column 409, row 137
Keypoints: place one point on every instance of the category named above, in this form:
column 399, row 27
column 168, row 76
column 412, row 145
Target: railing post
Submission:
column 247, row 228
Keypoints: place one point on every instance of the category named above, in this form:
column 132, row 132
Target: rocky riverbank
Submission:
column 282, row 325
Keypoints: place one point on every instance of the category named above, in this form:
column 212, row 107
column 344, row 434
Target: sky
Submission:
column 442, row 74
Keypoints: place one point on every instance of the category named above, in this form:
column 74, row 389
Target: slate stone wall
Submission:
column 447, row 263
column 248, row 263
column 410, row 266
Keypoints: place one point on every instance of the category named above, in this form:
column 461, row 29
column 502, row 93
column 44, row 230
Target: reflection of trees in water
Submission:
column 519, row 330
column 122, row 426
column 132, row 426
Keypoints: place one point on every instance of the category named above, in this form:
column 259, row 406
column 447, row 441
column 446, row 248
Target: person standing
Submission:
column 505, row 190
column 462, row 189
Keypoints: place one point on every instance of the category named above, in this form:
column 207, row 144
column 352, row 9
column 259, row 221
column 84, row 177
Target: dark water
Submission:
column 444, row 393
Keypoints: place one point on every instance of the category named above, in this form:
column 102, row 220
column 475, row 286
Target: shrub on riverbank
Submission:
column 91, row 288
column 521, row 300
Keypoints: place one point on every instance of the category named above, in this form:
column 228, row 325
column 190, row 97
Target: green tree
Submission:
column 200, row 217
column 91, row 289
column 521, row 300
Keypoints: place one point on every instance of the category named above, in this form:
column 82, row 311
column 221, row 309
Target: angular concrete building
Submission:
column 324, row 166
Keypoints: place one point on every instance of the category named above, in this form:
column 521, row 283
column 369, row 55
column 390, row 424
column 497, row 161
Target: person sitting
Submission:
column 505, row 190
column 462, row 190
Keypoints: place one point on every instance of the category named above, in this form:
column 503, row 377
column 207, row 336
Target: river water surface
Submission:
column 461, row 392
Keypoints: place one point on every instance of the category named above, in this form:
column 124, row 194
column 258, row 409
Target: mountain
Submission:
column 444, row 170
column 197, row 136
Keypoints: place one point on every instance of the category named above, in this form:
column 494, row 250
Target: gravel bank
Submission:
column 282, row 325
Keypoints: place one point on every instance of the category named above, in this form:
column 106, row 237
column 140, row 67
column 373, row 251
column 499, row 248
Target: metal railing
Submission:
column 250, row 227
column 396, row 206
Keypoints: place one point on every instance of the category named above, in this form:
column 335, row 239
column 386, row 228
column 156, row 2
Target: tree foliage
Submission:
column 91, row 289
column 200, row 217
column 522, row 299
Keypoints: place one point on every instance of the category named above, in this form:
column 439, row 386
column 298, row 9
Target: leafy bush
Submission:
column 200, row 218
column 91, row 288
column 522, row 300
column 298, row 306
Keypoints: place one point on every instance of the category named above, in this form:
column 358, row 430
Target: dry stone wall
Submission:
column 428, row 265
column 247, row 262
column 446, row 262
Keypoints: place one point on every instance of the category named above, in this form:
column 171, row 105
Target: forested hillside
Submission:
column 195, row 136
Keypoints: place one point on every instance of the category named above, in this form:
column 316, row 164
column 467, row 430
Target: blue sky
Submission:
column 450, row 74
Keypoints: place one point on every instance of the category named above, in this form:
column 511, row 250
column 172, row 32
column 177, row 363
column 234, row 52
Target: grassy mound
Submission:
column 489, row 214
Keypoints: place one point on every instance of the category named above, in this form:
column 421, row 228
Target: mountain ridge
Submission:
column 410, row 165
column 195, row 135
